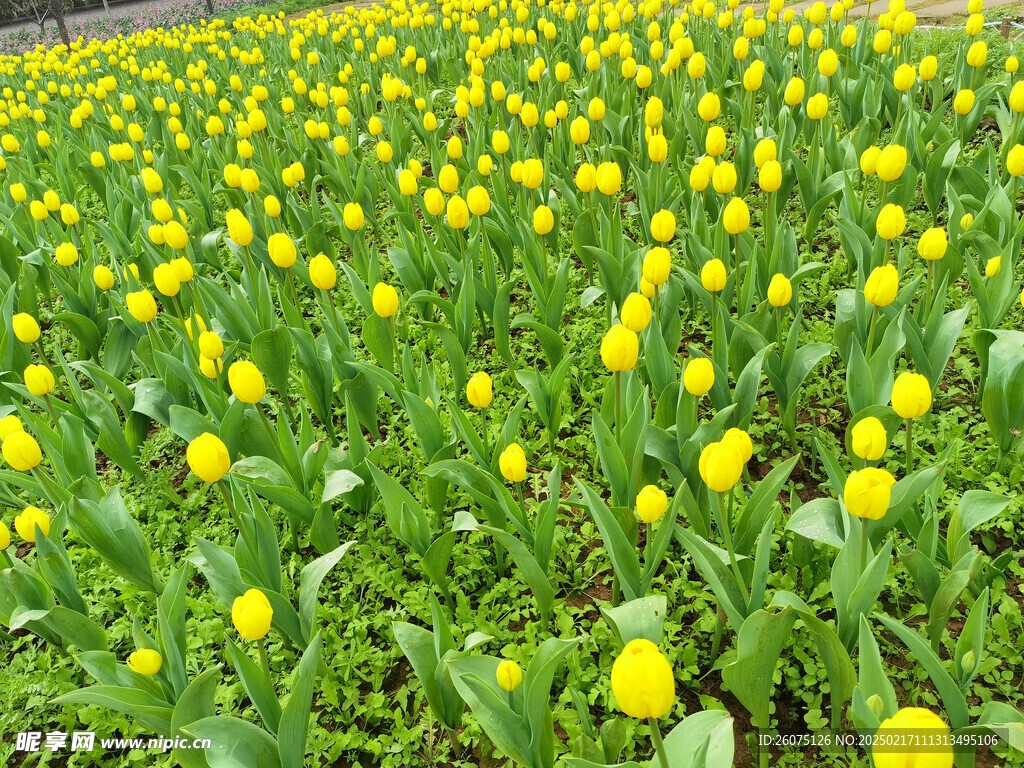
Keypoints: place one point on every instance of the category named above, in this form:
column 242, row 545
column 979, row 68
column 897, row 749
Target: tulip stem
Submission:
column 49, row 407
column 265, row 661
column 618, row 405
column 5, row 559
column 725, row 525
column 871, row 333
column 910, row 446
column 226, row 493
column 659, row 746
column 864, row 543
column 647, row 545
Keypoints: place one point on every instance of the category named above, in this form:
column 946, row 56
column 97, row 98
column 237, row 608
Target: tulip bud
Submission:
column 509, row 676
column 723, row 179
column 651, row 503
column 876, row 705
column 281, row 249
column 26, row 523
column 246, row 381
column 882, row 285
column 252, row 614
column 720, row 466
column 1015, row 160
column 780, row 290
column 353, row 216
column 992, row 266
column 609, row 178
column 932, row 245
column 586, row 178
column 543, row 220
column 736, row 216
column 322, row 273
column 713, row 275
column 479, row 390
column 385, row 300
column 663, row 226
column 619, row 348
column 911, row 395
column 207, row 457
column 141, row 305
column 868, row 439
column 145, row 661
column 642, row 681
column 891, row 162
column 25, row 327
column 103, row 277
column 635, row 313
column 21, row 451
column 891, row 222
column 867, row 493
column 657, row 265
column 699, row 376
column 512, row 463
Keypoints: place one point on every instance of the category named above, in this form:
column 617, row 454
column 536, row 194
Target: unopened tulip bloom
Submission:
column 932, row 245
column 512, row 463
column 609, row 178
column 208, row 457
column 882, row 285
column 141, row 305
column 911, row 395
column 25, row 327
column 893, row 750
column 642, row 681
column 657, row 265
column 543, row 220
column 736, row 217
column 869, row 439
column 252, row 614
column 891, row 162
column 713, row 275
column 246, row 381
column 699, row 376
column 780, row 290
column 891, row 222
column 720, row 466
column 867, row 493
column 651, row 503
column 25, row 523
column 281, row 249
column 636, row 312
column 145, row 661
column 619, row 348
column 509, row 676
column 21, row 451
column 479, row 390
column 239, row 229
column 353, row 216
column 663, row 226
column 39, row 380
column 385, row 300
column 322, row 272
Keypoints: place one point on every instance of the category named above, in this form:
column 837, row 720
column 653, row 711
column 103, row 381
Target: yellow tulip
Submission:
column 208, row 458
column 868, row 439
column 385, row 300
column 882, row 285
column 479, row 391
column 651, row 503
column 720, row 466
column 509, row 676
column 642, row 681
column 26, row 522
column 252, row 614
column 21, row 451
column 619, row 348
column 931, row 750
column 713, row 275
column 867, row 493
column 145, row 661
column 911, row 395
column 512, row 463
column 635, row 313
column 25, row 328
column 246, row 381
